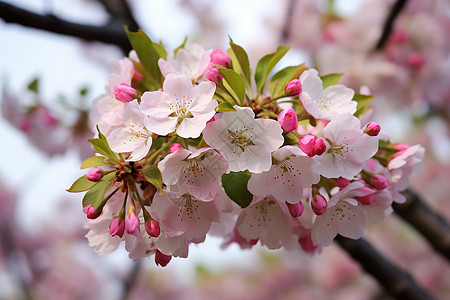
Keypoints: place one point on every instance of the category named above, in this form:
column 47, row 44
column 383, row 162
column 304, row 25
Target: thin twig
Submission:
column 286, row 30
column 389, row 24
column 395, row 281
column 433, row 227
column 107, row 34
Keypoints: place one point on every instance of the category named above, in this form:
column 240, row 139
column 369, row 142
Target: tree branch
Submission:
column 286, row 30
column 389, row 23
column 395, row 281
column 130, row 280
column 107, row 34
column 431, row 225
column 120, row 11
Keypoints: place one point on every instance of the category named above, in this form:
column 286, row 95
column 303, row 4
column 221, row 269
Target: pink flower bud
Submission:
column 368, row 197
column 132, row 224
column 415, row 60
column 153, row 229
column 379, row 182
column 312, row 145
column 47, row 119
column 25, row 124
column 294, row 86
column 220, row 57
column 174, row 147
column 319, row 205
column 161, row 259
column 124, row 93
column 401, row 147
column 117, row 227
column 94, row 174
column 296, row 209
column 137, row 78
column 399, row 36
column 372, row 129
column 90, row 212
column 288, row 120
column 212, row 74
column 342, row 182
column 307, row 243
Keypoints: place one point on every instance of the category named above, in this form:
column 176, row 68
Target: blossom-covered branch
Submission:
column 433, row 227
column 108, row 33
column 399, row 284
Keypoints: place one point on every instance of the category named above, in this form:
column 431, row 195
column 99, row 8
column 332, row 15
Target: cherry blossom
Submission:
column 267, row 221
column 347, row 148
column 192, row 62
column 180, row 106
column 325, row 103
column 198, row 172
column 134, row 135
column 290, row 172
column 245, row 142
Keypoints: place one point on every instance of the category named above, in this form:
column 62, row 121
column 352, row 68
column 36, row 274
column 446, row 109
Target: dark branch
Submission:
column 286, row 30
column 431, row 225
column 395, row 281
column 107, row 34
column 389, row 24
column 120, row 12
column 130, row 280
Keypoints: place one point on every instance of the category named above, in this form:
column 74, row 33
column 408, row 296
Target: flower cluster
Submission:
column 190, row 143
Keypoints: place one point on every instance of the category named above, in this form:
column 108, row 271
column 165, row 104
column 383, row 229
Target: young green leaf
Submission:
column 239, row 60
column 34, row 85
column 330, row 79
column 234, row 83
column 96, row 194
column 265, row 66
column 362, row 101
column 180, row 47
column 224, row 107
column 94, row 161
column 82, row 184
column 149, row 54
column 100, row 145
column 235, row 185
column 279, row 81
column 153, row 175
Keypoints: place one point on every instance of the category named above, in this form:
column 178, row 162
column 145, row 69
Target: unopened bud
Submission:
column 312, row 145
column 94, row 174
column 319, row 205
column 152, row 229
column 379, row 182
column 137, row 78
column 294, row 87
column 132, row 224
column 124, row 93
column 161, row 259
column 212, row 74
column 296, row 209
column 288, row 120
column 117, row 227
column 220, row 57
column 90, row 212
column 342, row 182
column 307, row 243
column 372, row 129
column 415, row 60
column 174, row 147
column 368, row 195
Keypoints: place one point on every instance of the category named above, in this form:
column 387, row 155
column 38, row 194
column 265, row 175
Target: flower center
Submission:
column 340, row 151
column 138, row 132
column 324, row 103
column 240, row 139
column 180, row 107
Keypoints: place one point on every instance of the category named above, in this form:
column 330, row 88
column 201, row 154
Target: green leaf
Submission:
column 153, row 175
column 265, row 66
column 234, row 83
column 149, row 53
column 239, row 59
column 94, row 161
column 330, row 79
column 235, row 185
column 81, row 184
column 100, row 145
column 180, row 47
column 362, row 101
column 96, row 194
column 34, row 85
column 224, row 107
column 279, row 81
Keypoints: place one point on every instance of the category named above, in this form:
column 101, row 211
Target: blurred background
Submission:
column 47, row 84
